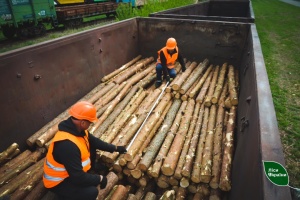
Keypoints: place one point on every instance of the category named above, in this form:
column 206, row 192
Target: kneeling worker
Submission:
column 167, row 57
column 72, row 153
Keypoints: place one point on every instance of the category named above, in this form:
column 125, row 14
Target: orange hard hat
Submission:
column 84, row 110
column 171, row 43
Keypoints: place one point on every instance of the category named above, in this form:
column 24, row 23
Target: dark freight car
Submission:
column 70, row 67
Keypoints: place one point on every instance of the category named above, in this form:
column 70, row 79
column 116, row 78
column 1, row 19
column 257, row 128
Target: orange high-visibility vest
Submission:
column 54, row 172
column 170, row 59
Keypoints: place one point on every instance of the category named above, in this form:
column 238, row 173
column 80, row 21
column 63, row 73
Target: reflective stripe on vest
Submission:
column 54, row 172
column 169, row 59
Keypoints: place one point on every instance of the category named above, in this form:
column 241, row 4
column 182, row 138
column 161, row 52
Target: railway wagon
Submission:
column 43, row 80
column 215, row 10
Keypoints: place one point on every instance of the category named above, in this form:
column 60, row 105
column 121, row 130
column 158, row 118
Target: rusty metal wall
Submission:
column 41, row 81
column 233, row 11
column 70, row 67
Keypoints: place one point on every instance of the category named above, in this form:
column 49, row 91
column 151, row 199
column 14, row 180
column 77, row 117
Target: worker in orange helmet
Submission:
column 72, row 153
column 167, row 57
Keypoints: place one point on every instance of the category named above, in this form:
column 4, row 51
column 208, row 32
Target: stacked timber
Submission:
column 179, row 137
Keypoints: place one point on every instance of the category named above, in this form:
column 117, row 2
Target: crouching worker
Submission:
column 167, row 57
column 72, row 154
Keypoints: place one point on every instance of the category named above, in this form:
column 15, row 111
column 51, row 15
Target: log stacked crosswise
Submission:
column 179, row 145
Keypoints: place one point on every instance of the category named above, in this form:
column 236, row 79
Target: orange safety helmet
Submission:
column 84, row 110
column 171, row 43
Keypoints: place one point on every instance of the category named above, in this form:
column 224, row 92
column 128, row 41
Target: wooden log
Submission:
column 112, row 180
column 5, row 154
column 217, row 149
column 167, row 142
column 185, row 96
column 170, row 162
column 188, row 164
column 205, row 175
column 223, row 94
column 37, row 192
column 144, row 133
column 204, row 89
column 136, row 173
column 179, row 82
column 219, row 85
column 150, row 196
column 192, row 188
column 204, row 189
column 117, row 167
column 215, row 194
column 144, row 180
column 102, row 90
column 111, row 192
column 141, row 191
column 120, row 193
column 14, row 162
column 212, row 86
column 199, row 84
column 181, row 193
column 195, row 177
column 182, row 158
column 198, row 196
column 114, row 114
column 128, row 73
column 179, row 74
column 231, row 85
column 121, row 118
column 25, row 174
column 131, row 197
column 163, row 181
column 184, row 182
column 228, row 103
column 29, row 184
column 14, row 154
column 122, row 68
column 173, row 181
column 34, row 157
column 225, row 181
column 47, row 136
column 194, row 76
column 168, row 195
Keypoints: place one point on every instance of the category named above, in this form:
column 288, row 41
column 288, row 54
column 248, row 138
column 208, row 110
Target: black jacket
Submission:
column 68, row 154
column 163, row 61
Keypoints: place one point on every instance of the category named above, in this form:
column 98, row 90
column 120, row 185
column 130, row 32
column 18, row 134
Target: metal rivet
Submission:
column 99, row 39
column 19, row 75
column 37, row 77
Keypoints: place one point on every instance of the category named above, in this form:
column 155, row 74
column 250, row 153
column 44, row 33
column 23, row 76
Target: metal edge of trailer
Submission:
column 202, row 10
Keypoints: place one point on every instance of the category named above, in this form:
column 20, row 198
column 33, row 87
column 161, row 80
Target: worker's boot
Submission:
column 158, row 83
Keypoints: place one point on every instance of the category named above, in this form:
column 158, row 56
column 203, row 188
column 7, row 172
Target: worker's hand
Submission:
column 103, row 181
column 183, row 69
column 168, row 78
column 121, row 149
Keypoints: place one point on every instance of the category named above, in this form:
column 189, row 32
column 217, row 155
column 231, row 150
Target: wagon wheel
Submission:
column 22, row 32
column 9, row 32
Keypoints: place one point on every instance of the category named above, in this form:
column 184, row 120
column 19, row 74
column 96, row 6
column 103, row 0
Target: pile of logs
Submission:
column 180, row 141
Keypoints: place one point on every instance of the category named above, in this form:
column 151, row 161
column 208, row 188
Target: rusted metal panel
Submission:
column 234, row 11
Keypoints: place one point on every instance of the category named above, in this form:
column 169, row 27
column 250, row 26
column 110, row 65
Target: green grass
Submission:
column 278, row 26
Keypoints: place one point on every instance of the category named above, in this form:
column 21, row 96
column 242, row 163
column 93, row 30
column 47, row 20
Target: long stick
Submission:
column 128, row 147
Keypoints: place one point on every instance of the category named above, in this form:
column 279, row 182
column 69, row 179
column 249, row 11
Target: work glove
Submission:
column 183, row 69
column 103, row 182
column 168, row 78
column 121, row 149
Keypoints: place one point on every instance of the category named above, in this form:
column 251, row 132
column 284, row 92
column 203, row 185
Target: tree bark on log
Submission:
column 150, row 196
column 183, row 155
column 120, row 193
column 232, row 86
column 132, row 70
column 194, row 76
column 223, row 94
column 119, row 70
column 112, row 180
column 187, row 65
column 29, row 184
column 159, row 137
column 185, row 96
column 34, row 157
column 26, row 173
column 217, row 149
column 179, row 82
column 205, row 175
column 144, row 133
column 131, row 197
column 170, row 162
column 225, row 182
column 5, row 154
column 47, row 136
column 199, row 84
column 15, row 162
column 212, row 86
column 187, row 167
column 102, row 91
column 204, row 89
column 37, row 193
column 219, row 84
column 167, row 142
column 181, row 194
column 195, row 177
